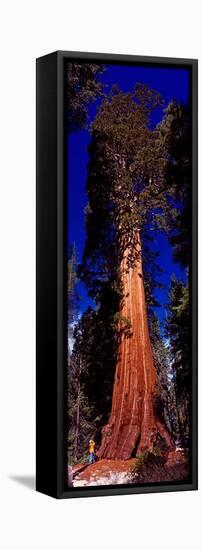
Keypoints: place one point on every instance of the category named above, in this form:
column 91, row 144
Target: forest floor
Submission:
column 147, row 468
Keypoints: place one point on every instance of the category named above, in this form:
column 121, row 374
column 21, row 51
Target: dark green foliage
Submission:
column 72, row 294
column 90, row 379
column 83, row 87
column 161, row 363
column 176, row 135
column 73, row 297
column 178, row 327
column 80, row 426
column 152, row 271
column 80, row 411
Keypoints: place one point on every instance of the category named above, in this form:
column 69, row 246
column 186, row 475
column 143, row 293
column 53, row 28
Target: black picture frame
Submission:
column 51, row 257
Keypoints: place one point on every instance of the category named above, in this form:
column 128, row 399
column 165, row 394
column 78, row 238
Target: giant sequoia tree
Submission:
column 127, row 193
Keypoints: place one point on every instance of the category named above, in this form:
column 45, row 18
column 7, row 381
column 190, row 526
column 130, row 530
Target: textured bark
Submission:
column 132, row 425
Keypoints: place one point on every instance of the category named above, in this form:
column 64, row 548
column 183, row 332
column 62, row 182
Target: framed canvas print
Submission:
column 116, row 274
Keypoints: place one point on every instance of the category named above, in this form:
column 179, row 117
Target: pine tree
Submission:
column 82, row 87
column 72, row 280
column 73, row 297
column 162, row 366
column 90, row 380
column 80, row 412
column 178, row 328
column 176, row 134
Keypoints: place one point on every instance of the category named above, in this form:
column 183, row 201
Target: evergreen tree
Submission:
column 72, row 280
column 79, row 411
column 160, row 357
column 83, row 87
column 176, row 134
column 90, row 380
column 178, row 326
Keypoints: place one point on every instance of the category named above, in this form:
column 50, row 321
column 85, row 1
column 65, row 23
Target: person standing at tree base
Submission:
column 91, row 451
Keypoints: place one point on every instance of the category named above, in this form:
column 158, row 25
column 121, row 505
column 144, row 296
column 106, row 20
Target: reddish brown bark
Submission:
column 132, row 424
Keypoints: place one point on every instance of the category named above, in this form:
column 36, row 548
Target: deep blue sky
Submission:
column 172, row 83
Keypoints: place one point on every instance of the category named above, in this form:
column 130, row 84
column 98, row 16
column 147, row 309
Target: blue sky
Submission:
column 172, row 83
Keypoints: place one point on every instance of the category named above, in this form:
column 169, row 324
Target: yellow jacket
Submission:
column 91, row 446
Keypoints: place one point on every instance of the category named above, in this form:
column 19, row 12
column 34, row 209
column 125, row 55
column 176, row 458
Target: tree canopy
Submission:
column 126, row 186
column 83, row 87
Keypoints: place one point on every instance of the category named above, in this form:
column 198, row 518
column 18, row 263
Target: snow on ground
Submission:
column 118, row 478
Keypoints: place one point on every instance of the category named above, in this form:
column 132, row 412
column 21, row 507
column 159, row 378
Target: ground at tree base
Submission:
column 147, row 468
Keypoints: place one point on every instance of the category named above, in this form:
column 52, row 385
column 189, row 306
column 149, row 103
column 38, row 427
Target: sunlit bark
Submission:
column 132, row 424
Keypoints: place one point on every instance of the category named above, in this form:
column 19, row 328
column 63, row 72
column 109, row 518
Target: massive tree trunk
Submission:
column 133, row 425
